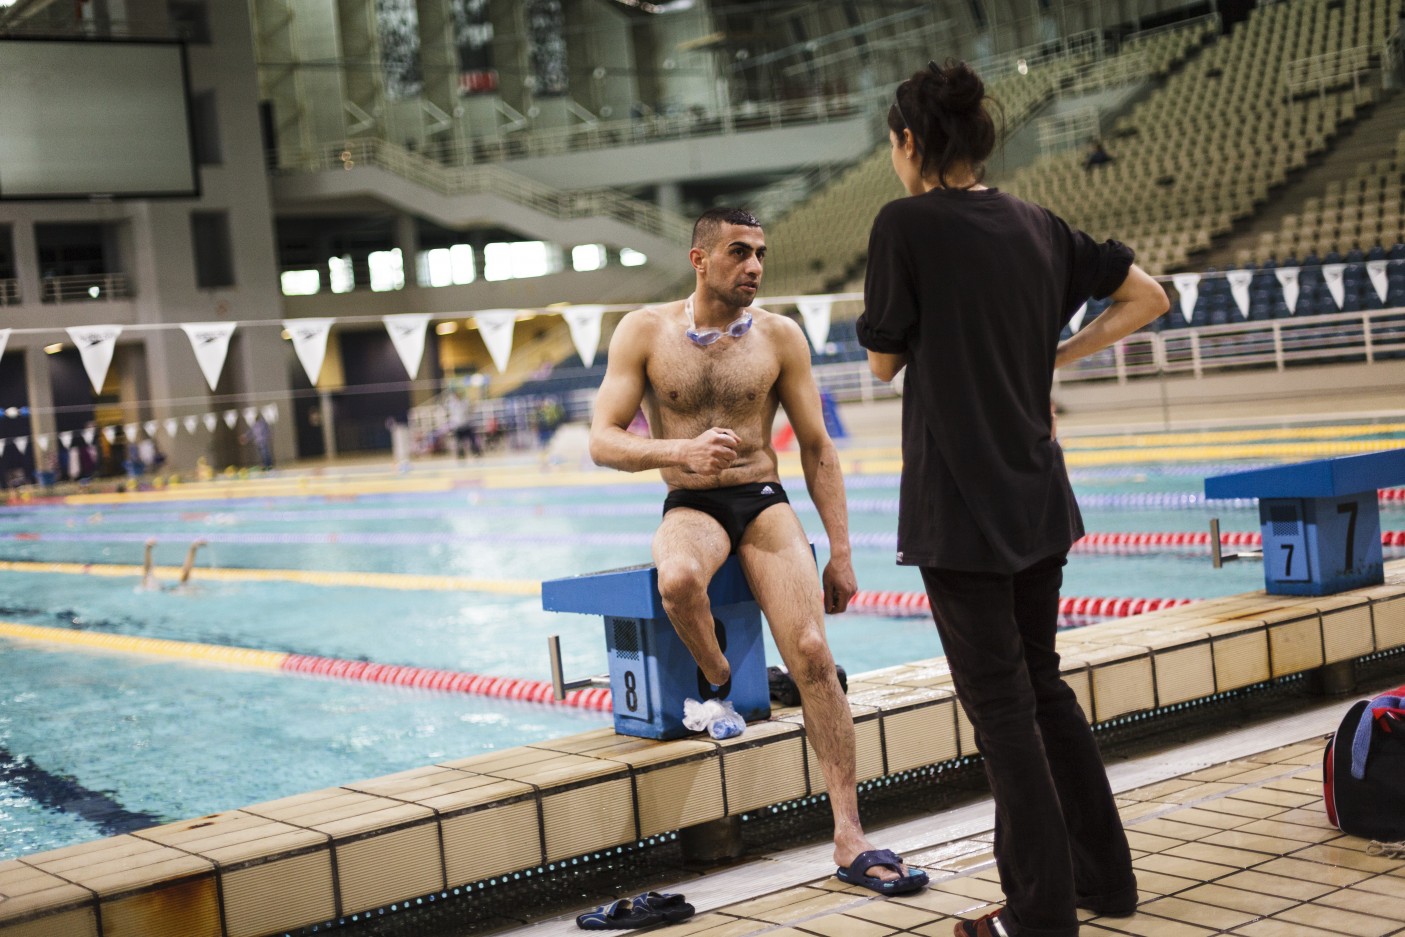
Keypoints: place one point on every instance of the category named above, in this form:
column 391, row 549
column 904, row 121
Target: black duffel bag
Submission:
column 1363, row 769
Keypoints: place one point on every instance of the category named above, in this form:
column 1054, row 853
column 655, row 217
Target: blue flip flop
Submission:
column 673, row 907
column 857, row 873
column 624, row 914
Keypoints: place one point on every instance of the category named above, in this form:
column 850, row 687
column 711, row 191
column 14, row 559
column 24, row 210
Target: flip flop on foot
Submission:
column 673, row 907
column 857, row 873
column 624, row 914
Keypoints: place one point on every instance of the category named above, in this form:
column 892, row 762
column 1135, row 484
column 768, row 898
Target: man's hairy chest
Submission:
column 714, row 383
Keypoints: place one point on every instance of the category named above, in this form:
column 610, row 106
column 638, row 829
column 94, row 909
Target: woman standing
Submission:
column 969, row 288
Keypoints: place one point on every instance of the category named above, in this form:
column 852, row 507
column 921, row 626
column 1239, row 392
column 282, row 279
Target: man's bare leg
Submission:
column 689, row 548
column 148, row 572
column 781, row 571
column 189, row 564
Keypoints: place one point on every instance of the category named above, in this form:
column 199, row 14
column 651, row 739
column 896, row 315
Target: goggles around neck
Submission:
column 704, row 337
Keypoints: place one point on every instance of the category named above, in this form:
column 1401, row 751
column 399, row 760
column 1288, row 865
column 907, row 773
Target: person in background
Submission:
column 1097, row 156
column 149, row 583
column 968, row 289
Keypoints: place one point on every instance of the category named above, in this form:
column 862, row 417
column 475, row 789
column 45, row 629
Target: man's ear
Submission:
column 698, row 258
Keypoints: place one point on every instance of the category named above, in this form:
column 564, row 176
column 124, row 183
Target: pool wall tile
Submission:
column 35, row 903
column 378, row 870
column 75, row 922
column 868, row 746
column 282, row 894
column 1183, row 673
column 1346, row 630
column 589, row 817
column 1123, row 680
column 919, row 728
column 765, row 765
column 481, row 844
column 1294, row 643
column 1388, row 618
column 1240, row 654
column 1080, row 680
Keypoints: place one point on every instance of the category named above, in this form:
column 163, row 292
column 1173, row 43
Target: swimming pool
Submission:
column 94, row 743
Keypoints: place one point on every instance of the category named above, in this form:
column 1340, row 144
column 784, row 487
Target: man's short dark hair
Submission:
column 709, row 224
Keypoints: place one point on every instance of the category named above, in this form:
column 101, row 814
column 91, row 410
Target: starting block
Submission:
column 651, row 670
column 1320, row 521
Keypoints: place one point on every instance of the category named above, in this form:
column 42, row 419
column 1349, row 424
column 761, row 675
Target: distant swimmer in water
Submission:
column 149, row 583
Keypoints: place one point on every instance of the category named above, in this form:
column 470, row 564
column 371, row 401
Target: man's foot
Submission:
column 881, row 870
column 986, row 926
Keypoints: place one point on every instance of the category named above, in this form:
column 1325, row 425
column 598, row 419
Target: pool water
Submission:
column 94, row 743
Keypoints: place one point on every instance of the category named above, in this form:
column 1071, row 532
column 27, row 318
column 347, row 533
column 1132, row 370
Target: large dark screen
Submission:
column 81, row 119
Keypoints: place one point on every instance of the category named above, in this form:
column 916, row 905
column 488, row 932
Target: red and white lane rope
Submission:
column 915, row 604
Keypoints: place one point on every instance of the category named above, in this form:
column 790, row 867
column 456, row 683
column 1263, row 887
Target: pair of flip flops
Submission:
column 644, row 910
column 857, row 873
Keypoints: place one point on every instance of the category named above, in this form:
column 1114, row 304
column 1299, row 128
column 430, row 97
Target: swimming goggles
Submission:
column 704, row 337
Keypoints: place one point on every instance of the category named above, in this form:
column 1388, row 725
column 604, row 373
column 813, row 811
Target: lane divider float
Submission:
column 915, row 604
column 425, row 678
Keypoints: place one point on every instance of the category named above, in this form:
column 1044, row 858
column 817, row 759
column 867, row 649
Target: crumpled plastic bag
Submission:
column 717, row 716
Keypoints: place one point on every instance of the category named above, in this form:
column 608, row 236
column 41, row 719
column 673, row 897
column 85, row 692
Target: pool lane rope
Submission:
column 916, row 605
column 424, row 678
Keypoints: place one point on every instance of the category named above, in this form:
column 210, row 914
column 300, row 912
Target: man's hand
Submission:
column 710, row 451
column 839, row 585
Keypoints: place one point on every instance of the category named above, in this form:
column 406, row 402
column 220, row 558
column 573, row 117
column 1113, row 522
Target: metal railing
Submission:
column 9, row 292
column 88, row 288
column 1072, row 129
column 472, row 180
column 1211, row 20
column 1328, row 71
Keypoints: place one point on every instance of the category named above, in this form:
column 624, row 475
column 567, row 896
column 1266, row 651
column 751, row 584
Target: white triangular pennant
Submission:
column 4, row 340
column 129, row 431
column 95, row 345
column 584, row 323
column 231, row 418
column 89, row 434
column 310, row 342
column 150, row 427
column 815, row 312
column 1333, row 274
column 190, row 423
column 210, row 340
column 22, row 444
column 1288, row 279
column 110, row 434
column 1375, row 269
column 1076, row 322
column 42, row 442
column 170, row 425
column 270, row 412
column 1239, row 288
column 249, row 414
column 3, row 443
column 407, row 335
column 496, row 325
column 1188, row 286
column 210, row 421
column 66, row 439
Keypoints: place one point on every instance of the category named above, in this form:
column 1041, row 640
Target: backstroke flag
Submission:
column 584, row 323
column 310, row 342
column 210, row 421
column 95, row 345
column 231, row 418
column 190, row 423
column 815, row 312
column 496, row 325
column 1188, row 286
column 1239, row 288
column 150, row 427
column 1333, row 274
column 211, row 343
column 66, row 439
column 1288, row 279
column 407, row 335
column 1375, row 269
column 171, row 425
column 1076, row 322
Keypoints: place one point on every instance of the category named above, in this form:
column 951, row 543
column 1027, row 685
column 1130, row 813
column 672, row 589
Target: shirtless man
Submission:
column 710, row 374
column 149, row 582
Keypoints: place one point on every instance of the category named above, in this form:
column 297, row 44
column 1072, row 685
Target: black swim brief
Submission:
column 734, row 507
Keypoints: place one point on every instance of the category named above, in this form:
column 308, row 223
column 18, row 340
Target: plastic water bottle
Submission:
column 718, row 717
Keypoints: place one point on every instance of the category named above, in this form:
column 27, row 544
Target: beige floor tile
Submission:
column 1264, row 795
column 1391, row 907
column 1158, row 791
column 717, row 925
column 1148, row 843
column 895, row 915
column 1311, row 815
column 1258, row 774
column 935, row 857
column 973, row 887
column 1338, row 921
column 1184, row 868
column 1220, row 855
column 1298, row 784
column 1164, row 826
column 1302, row 832
column 1383, row 885
column 1292, row 867
column 1133, row 810
column 1268, row 845
column 940, row 928
column 842, row 925
column 931, row 899
column 1238, row 899
column 1282, row 886
column 1193, row 912
column 1273, row 928
column 1154, row 884
column 769, row 903
column 1220, row 772
column 819, row 903
column 1201, row 816
column 1146, row 925
column 1245, row 808
column 1199, row 792
column 1346, row 858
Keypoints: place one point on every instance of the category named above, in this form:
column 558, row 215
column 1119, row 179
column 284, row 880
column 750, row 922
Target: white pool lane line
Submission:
column 794, row 867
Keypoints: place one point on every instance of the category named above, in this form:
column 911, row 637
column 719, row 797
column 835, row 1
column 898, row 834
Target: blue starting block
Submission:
column 651, row 670
column 1320, row 521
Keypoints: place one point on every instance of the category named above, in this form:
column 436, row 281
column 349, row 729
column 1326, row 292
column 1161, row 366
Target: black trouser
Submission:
column 1057, row 832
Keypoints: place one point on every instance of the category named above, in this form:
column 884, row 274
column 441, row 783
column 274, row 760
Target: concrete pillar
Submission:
column 329, row 430
column 407, row 238
column 713, row 840
column 40, row 390
column 669, row 197
column 26, row 250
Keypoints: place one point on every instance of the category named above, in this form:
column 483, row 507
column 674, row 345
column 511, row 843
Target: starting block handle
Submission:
column 1217, row 555
column 559, row 686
